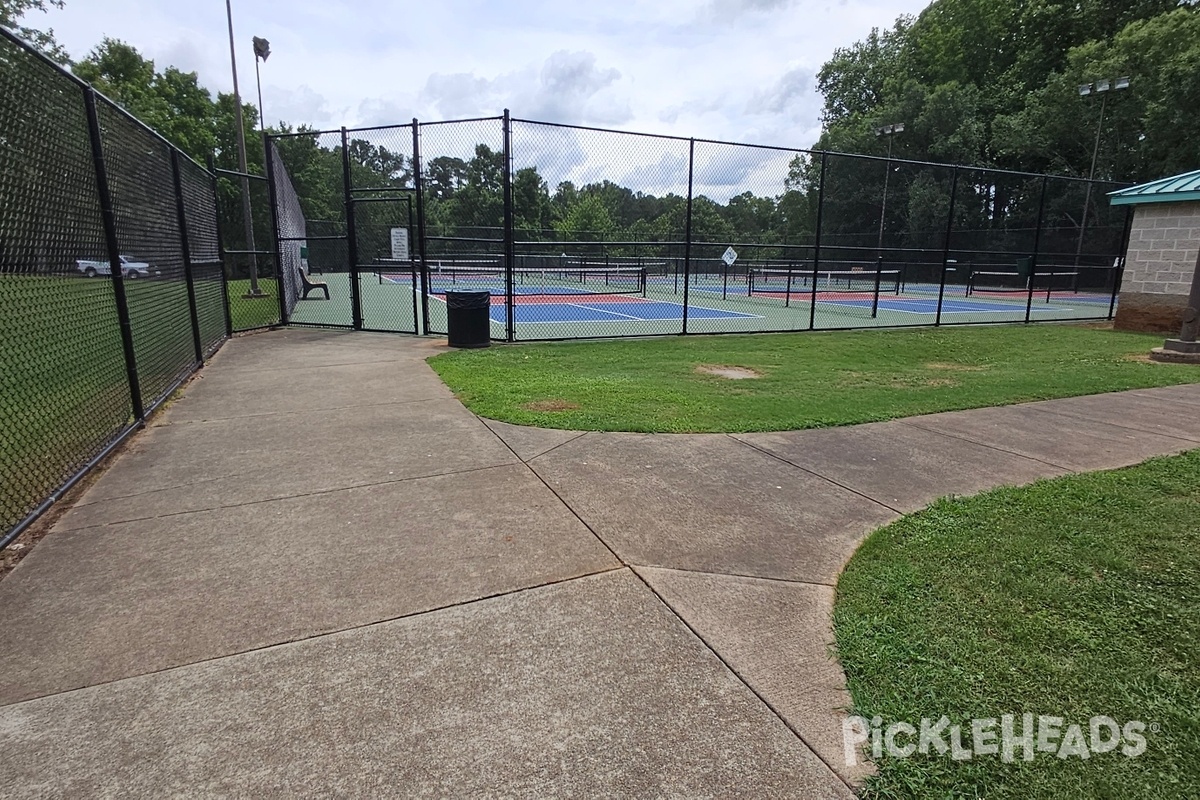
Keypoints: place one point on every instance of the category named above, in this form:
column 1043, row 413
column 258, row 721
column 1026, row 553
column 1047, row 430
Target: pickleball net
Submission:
column 584, row 279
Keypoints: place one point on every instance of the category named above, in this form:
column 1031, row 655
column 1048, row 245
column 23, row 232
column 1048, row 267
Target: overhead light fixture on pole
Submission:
column 889, row 131
column 262, row 49
column 1100, row 87
column 241, row 141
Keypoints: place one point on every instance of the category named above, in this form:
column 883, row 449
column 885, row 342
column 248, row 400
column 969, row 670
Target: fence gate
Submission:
column 389, row 284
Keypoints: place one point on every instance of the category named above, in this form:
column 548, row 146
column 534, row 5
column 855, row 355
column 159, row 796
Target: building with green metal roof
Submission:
column 1164, row 240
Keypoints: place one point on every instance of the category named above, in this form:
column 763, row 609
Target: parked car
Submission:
column 129, row 268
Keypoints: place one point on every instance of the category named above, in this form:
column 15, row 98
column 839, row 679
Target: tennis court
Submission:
column 611, row 301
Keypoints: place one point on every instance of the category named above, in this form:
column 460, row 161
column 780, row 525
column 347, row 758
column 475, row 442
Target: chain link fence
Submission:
column 586, row 233
column 111, row 286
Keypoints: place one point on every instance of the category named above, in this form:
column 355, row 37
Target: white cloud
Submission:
column 724, row 69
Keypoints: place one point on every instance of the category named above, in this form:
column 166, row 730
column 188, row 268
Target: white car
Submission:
column 129, row 268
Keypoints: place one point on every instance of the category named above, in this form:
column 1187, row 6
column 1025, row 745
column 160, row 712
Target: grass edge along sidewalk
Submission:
column 804, row 380
column 1075, row 597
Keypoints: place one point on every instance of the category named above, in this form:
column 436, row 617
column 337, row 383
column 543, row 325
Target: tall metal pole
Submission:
column 883, row 211
column 241, row 140
column 262, row 125
column 1087, row 196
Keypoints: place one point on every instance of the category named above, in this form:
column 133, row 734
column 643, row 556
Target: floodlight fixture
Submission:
column 262, row 48
column 1085, row 89
column 1122, row 83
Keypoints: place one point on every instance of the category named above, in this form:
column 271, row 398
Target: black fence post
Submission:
column 273, row 199
column 687, row 232
column 212, row 170
column 413, row 268
column 946, row 246
column 114, row 254
column 1119, row 267
column 185, row 246
column 1037, row 244
column 510, row 246
column 878, row 279
column 418, row 185
column 812, row 308
column 351, row 234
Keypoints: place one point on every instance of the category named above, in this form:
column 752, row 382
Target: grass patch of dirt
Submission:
column 730, row 372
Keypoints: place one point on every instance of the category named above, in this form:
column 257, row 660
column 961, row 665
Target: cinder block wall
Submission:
column 1163, row 243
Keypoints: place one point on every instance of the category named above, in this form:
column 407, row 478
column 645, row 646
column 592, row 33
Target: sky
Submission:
column 740, row 70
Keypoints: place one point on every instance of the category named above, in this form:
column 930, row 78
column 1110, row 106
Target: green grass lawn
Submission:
column 807, row 379
column 247, row 313
column 1074, row 597
column 64, row 390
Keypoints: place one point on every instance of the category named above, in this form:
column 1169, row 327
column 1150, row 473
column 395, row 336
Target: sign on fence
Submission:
column 400, row 244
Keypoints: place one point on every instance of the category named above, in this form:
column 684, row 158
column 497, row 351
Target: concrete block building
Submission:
column 1163, row 243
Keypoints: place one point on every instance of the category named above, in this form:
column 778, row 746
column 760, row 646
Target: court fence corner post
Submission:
column 812, row 306
column 273, row 200
column 510, row 245
column 687, row 233
column 1118, row 269
column 937, row 320
column 351, row 235
column 1037, row 244
column 419, row 190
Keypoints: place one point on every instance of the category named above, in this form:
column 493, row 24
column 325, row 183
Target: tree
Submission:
column 172, row 103
column 13, row 11
column 588, row 219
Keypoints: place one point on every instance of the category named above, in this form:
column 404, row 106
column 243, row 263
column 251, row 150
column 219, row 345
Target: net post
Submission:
column 351, row 234
column 687, row 234
column 273, row 199
column 946, row 246
column 812, row 307
column 419, row 188
column 185, row 246
column 212, row 173
column 1037, row 243
column 114, row 254
column 787, row 288
column 509, row 238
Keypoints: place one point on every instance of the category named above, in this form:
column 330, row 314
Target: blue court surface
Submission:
column 592, row 311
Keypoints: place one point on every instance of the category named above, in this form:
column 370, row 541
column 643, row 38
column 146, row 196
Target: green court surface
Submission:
column 713, row 306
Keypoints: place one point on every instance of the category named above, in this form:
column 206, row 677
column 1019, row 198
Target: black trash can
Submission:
column 469, row 323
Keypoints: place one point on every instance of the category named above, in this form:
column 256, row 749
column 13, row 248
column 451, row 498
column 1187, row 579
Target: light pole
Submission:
column 1102, row 88
column 889, row 131
column 241, row 140
column 262, row 49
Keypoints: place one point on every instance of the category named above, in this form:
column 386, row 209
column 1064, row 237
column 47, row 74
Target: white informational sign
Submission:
column 400, row 244
column 729, row 257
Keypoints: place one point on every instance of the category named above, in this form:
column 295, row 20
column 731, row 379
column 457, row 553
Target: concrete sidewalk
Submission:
column 319, row 573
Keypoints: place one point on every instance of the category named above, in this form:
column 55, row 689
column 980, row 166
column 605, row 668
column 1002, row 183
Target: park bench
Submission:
column 311, row 285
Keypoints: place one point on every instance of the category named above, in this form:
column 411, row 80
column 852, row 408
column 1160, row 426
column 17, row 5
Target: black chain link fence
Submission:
column 111, row 289
column 586, row 233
